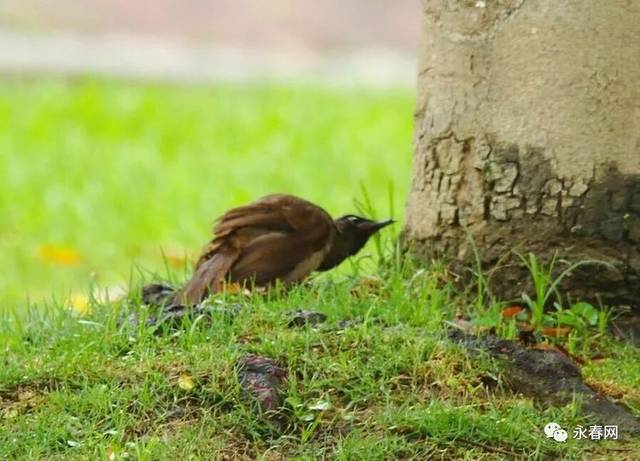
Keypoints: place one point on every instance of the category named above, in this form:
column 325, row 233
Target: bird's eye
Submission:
column 353, row 218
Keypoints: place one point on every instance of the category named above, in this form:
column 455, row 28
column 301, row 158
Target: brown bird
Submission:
column 278, row 237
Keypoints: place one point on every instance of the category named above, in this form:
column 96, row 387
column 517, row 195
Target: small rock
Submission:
column 301, row 317
column 156, row 294
column 261, row 378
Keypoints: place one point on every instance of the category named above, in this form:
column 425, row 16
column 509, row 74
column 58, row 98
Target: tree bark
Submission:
column 528, row 138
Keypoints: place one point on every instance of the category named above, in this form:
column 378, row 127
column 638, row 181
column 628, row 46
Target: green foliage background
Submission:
column 120, row 172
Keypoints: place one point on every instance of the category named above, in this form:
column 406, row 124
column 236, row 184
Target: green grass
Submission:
column 75, row 387
column 117, row 173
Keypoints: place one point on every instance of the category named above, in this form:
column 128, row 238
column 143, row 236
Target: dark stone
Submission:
column 174, row 314
column 156, row 294
column 549, row 377
column 301, row 317
column 261, row 379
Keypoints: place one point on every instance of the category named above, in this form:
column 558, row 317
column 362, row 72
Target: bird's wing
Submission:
column 287, row 257
column 277, row 236
column 277, row 213
column 261, row 214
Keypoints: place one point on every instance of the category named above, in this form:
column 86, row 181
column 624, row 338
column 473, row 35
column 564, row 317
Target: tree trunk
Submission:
column 528, row 138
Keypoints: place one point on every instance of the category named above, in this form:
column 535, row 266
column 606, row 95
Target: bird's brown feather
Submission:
column 276, row 237
column 208, row 277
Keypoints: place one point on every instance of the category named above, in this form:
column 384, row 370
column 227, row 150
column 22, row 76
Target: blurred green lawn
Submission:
column 98, row 178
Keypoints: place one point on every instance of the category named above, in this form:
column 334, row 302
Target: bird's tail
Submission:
column 208, row 277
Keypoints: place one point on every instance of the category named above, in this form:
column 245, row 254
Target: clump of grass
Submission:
column 576, row 324
column 545, row 284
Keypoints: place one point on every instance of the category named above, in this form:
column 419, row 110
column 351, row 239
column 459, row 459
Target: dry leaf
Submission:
column 60, row 255
column 511, row 311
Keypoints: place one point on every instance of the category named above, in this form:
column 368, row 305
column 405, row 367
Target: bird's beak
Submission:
column 375, row 226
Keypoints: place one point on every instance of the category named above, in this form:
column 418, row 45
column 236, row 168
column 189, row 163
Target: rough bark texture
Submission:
column 528, row 137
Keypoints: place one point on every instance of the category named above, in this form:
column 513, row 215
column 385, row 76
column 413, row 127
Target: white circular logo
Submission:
column 560, row 435
column 550, row 428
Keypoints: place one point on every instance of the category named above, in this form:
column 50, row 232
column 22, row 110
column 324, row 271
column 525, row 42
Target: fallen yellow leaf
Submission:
column 185, row 382
column 60, row 255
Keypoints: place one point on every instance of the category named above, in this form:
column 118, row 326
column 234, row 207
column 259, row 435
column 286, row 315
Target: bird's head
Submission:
column 353, row 233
